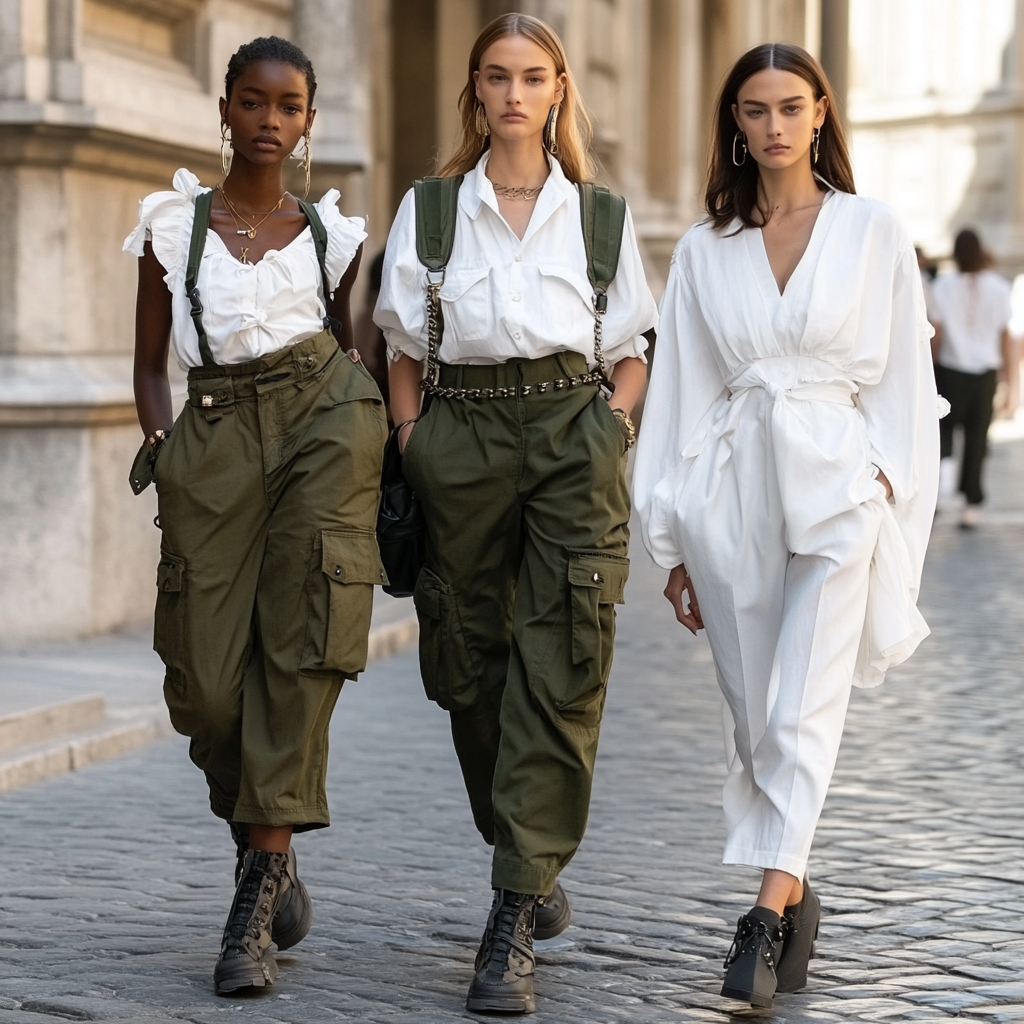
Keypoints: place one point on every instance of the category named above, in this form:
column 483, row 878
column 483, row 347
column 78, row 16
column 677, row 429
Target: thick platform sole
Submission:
column 293, row 921
column 243, row 972
column 745, row 996
column 508, row 1005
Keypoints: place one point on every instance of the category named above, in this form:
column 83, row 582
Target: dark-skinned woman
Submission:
column 267, row 485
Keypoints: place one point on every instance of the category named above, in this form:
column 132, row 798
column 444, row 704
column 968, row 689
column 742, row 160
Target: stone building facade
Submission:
column 101, row 100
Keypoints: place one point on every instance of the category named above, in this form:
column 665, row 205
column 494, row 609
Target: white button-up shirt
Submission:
column 505, row 298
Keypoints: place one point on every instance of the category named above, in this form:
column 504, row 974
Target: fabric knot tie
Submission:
column 254, row 318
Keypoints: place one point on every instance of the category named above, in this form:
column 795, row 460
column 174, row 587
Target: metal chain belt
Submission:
column 516, row 391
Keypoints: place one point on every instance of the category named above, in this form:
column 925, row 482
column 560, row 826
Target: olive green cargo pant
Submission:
column 526, row 509
column 268, row 497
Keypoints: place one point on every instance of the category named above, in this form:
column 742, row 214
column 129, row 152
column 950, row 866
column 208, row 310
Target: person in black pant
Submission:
column 971, row 313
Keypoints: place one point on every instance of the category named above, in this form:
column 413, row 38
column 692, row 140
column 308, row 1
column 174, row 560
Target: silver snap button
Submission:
column 207, row 401
column 597, row 577
column 337, row 570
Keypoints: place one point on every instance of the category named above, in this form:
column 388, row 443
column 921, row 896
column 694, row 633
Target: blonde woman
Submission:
column 519, row 461
column 787, row 472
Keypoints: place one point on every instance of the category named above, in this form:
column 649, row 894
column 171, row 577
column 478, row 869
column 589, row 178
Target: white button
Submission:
column 519, row 257
column 516, row 297
column 516, row 335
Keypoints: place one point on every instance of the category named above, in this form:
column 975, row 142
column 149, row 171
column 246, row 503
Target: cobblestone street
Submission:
column 115, row 879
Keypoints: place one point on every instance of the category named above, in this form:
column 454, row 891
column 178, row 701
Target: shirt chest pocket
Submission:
column 566, row 302
column 467, row 304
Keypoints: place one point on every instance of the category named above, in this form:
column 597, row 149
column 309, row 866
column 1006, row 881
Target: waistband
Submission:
column 212, row 386
column 514, row 378
column 801, row 377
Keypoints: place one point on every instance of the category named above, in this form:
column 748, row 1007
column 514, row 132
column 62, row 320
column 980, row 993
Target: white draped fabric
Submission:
column 767, row 420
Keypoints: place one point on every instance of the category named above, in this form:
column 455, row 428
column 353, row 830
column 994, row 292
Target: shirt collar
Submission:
column 477, row 192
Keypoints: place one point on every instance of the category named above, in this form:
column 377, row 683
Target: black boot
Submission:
column 750, row 965
column 294, row 915
column 553, row 914
column 505, row 963
column 801, row 927
column 246, row 956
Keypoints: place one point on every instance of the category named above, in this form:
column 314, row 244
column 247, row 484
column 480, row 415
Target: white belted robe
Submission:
column 767, row 420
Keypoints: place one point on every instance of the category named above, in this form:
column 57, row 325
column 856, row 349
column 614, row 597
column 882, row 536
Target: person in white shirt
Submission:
column 267, row 485
column 787, row 470
column 519, row 464
column 971, row 313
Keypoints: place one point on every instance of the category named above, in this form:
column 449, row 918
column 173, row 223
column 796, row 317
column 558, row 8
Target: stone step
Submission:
column 34, row 724
column 43, row 759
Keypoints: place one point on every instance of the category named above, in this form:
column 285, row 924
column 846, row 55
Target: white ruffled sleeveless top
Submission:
column 249, row 310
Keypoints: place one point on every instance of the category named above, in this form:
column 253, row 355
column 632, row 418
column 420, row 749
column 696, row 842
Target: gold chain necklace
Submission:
column 511, row 192
column 249, row 229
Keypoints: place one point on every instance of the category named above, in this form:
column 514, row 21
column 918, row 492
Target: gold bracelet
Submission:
column 630, row 429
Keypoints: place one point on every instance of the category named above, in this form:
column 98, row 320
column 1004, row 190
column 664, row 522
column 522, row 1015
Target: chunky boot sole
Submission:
column 293, row 920
column 548, row 925
column 751, row 980
column 488, row 1002
column 799, row 946
column 243, row 972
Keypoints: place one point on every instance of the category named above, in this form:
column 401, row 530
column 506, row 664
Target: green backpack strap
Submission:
column 200, row 226
column 603, row 214
column 437, row 209
column 319, row 233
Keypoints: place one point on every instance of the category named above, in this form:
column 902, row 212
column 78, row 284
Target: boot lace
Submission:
column 503, row 934
column 756, row 936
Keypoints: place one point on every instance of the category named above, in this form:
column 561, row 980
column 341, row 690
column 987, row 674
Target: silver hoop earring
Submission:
column 307, row 160
column 551, row 131
column 483, row 129
column 814, row 144
column 225, row 149
column 739, row 137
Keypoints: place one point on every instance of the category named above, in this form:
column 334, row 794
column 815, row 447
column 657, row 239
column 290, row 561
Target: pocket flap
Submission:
column 169, row 573
column 429, row 593
column 602, row 571
column 577, row 282
column 352, row 556
column 458, row 281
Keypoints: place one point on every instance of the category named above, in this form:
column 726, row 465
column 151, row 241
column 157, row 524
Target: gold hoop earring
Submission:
column 483, row 129
column 225, row 149
column 741, row 139
column 814, row 145
column 551, row 131
column 307, row 160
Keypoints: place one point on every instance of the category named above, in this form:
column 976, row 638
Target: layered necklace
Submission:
column 250, row 229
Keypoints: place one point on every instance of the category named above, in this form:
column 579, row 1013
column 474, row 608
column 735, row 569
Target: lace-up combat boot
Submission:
column 294, row 915
column 246, row 957
column 505, row 961
column 801, row 924
column 751, row 963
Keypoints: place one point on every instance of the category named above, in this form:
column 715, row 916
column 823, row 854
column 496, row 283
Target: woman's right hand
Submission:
column 678, row 581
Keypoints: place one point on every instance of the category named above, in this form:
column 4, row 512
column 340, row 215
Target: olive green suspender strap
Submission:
column 197, row 244
column 603, row 218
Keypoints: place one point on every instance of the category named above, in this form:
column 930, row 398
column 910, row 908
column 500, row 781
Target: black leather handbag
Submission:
column 401, row 528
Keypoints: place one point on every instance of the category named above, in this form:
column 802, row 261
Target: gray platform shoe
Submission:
column 246, row 952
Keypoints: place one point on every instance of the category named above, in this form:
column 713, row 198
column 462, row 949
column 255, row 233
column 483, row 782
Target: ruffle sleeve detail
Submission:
column 165, row 219
column 344, row 236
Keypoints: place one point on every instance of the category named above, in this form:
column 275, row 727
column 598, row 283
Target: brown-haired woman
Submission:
column 519, row 463
column 787, row 470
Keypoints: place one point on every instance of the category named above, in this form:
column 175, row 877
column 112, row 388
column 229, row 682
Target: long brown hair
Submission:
column 573, row 131
column 969, row 254
column 732, row 191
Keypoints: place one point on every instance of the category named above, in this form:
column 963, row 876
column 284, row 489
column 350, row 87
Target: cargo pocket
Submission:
column 169, row 620
column 597, row 582
column 447, row 669
column 341, row 601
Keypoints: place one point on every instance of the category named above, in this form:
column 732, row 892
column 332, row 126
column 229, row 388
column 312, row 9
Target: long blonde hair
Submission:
column 573, row 131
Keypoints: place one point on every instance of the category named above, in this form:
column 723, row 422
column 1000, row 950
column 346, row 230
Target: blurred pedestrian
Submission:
column 267, row 485
column 971, row 313
column 786, row 471
column 519, row 462
column 370, row 343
